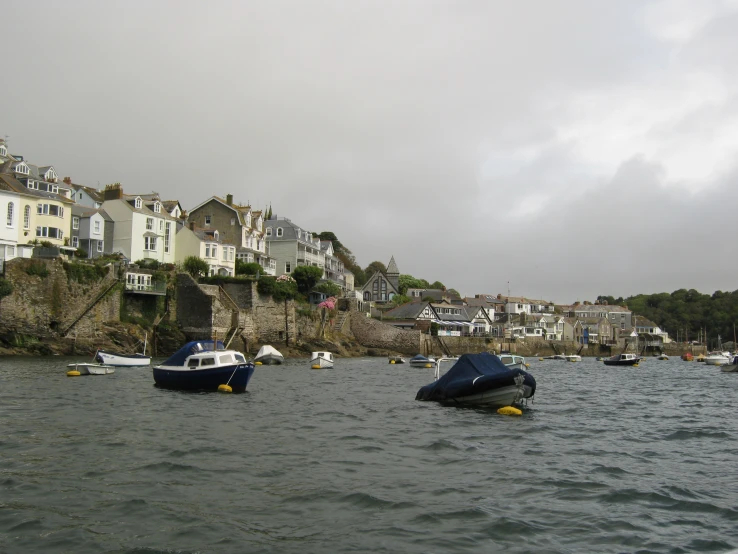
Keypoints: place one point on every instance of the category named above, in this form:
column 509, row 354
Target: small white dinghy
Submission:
column 268, row 355
column 321, row 360
column 89, row 368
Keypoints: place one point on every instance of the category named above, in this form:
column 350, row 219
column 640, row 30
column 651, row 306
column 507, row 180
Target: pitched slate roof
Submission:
column 410, row 310
column 392, row 266
column 93, row 193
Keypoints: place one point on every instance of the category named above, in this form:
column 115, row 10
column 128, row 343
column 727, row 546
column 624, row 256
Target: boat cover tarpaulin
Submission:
column 471, row 374
column 179, row 357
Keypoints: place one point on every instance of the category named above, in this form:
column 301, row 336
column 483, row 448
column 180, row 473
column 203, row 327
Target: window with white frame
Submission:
column 50, row 175
column 22, row 168
column 11, row 209
column 258, row 223
column 149, row 243
column 157, row 207
column 27, row 217
column 269, row 232
column 280, row 231
column 33, row 185
column 207, row 221
column 248, row 219
column 166, row 236
column 75, row 241
column 149, row 223
column 50, row 232
column 97, row 228
column 75, row 223
column 161, row 226
column 215, row 251
column 3, row 151
column 138, row 203
column 100, row 246
column 49, row 209
column 225, row 254
column 287, row 267
column 79, row 197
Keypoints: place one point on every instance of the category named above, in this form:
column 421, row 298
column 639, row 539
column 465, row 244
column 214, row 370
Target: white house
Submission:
column 206, row 244
column 143, row 230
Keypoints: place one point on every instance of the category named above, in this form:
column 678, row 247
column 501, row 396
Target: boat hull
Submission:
column 122, row 360
column 716, row 360
column 270, row 359
column 321, row 363
column 92, row 368
column 494, row 398
column 237, row 376
column 621, row 362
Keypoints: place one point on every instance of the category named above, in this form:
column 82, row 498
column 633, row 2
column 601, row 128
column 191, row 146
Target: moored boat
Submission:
column 717, row 357
column 122, row 360
column 687, row 357
column 321, row 360
column 396, row 360
column 573, row 358
column 268, row 355
column 479, row 380
column 204, row 365
column 663, row 356
column 90, row 368
column 422, row 361
column 513, row 361
column 626, row 359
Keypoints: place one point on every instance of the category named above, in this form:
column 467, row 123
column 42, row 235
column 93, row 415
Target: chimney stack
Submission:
column 68, row 180
column 113, row 192
column 229, row 199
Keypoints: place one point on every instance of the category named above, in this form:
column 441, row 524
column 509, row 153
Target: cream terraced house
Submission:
column 142, row 229
column 41, row 211
column 206, row 244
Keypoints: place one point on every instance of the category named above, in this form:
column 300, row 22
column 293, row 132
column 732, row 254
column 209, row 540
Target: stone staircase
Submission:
column 340, row 322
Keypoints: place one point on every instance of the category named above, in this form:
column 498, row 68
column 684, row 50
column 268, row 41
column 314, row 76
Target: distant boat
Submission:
column 204, row 365
column 687, row 357
column 321, row 360
column 732, row 366
column 91, row 368
column 422, row 361
column 513, row 361
column 573, row 358
column 555, row 357
column 623, row 359
column 268, row 355
column 717, row 357
column 663, row 356
column 396, row 360
column 122, row 360
column 479, row 380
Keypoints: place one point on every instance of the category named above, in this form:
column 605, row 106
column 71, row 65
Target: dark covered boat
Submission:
column 480, row 380
column 623, row 359
column 204, row 365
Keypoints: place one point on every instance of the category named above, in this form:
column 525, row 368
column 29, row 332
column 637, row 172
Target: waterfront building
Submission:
column 237, row 225
column 207, row 245
column 142, row 229
column 382, row 287
column 92, row 231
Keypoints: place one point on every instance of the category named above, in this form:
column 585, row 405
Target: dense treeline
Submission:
column 683, row 313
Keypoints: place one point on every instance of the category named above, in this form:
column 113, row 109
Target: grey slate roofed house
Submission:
column 92, row 231
column 382, row 287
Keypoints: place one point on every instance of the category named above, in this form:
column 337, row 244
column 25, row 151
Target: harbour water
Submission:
column 345, row 460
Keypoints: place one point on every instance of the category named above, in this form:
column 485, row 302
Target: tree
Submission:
column 437, row 285
column 400, row 299
column 373, row 267
column 329, row 235
column 329, row 289
column 195, row 266
column 307, row 276
column 248, row 268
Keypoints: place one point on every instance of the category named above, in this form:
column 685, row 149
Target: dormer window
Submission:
column 138, row 203
column 269, row 232
column 258, row 223
column 216, row 235
column 22, row 168
column 248, row 219
column 50, row 175
column 3, row 150
column 280, row 231
column 157, row 207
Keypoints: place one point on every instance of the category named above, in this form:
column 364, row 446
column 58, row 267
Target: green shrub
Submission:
column 195, row 266
column 246, row 268
column 85, row 273
column 5, row 287
column 278, row 289
column 221, row 279
column 37, row 268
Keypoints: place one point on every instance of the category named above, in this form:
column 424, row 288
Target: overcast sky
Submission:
column 570, row 148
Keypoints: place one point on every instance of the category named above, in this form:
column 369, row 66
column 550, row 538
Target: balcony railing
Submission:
column 153, row 288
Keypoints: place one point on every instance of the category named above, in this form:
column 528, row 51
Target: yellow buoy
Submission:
column 540, row 359
column 73, row 373
column 316, row 367
column 392, row 361
column 509, row 410
column 428, row 365
column 257, row 363
column 527, row 365
column 224, row 388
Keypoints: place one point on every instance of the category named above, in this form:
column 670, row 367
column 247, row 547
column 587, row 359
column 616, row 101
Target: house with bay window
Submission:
column 207, row 245
column 92, row 231
column 142, row 229
column 239, row 226
column 40, row 212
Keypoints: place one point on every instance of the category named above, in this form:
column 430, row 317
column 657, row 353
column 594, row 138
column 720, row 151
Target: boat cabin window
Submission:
column 225, row 359
column 240, row 358
column 193, row 363
column 506, row 359
column 207, row 361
